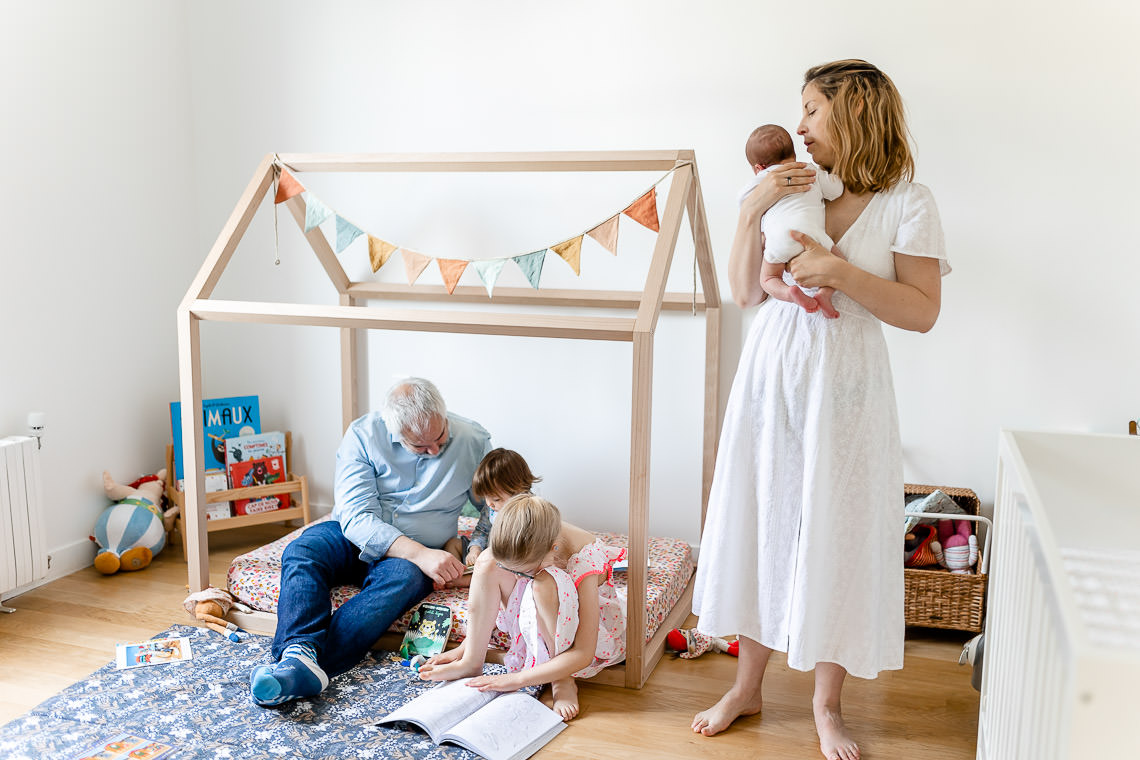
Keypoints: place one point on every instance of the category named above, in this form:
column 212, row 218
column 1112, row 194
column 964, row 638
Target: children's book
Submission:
column 259, row 472
column 126, row 747
column 222, row 418
column 243, row 448
column 495, row 725
column 427, row 630
column 152, row 652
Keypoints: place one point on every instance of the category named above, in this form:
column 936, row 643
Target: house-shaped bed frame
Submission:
column 352, row 316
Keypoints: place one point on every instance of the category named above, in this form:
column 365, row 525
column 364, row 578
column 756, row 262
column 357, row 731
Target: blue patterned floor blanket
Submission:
column 203, row 707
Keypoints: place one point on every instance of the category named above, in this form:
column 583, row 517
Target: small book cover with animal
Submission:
column 126, row 747
column 497, row 725
column 243, row 448
column 427, row 631
column 222, row 418
column 139, row 654
column 259, row 472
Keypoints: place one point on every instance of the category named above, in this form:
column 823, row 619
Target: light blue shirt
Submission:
column 383, row 491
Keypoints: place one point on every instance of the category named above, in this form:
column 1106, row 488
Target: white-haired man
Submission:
column 402, row 477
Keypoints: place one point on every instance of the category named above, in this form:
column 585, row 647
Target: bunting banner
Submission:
column 315, row 211
column 451, row 270
column 643, row 211
column 287, row 187
column 346, row 232
column 606, row 234
column 571, row 252
column 379, row 251
column 414, row 264
column 488, row 270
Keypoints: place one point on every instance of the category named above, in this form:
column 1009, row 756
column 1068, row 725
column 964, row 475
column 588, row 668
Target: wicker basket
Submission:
column 939, row 598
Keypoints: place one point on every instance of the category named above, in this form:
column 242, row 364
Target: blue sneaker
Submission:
column 297, row 675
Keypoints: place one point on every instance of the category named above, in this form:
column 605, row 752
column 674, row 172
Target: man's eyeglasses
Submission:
column 517, row 573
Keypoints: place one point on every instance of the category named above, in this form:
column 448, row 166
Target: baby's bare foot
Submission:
column 834, row 740
column 565, row 694
column 802, row 299
column 730, row 707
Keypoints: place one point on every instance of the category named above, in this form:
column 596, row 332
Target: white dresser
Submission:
column 1061, row 674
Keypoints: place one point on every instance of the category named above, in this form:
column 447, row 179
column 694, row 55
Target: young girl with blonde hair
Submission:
column 549, row 585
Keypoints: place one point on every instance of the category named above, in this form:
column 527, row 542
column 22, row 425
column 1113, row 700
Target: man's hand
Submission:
column 439, row 565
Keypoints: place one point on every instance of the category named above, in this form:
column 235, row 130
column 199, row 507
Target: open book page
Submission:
column 440, row 708
column 512, row 727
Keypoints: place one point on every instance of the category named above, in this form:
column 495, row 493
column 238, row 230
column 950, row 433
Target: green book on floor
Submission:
column 427, row 631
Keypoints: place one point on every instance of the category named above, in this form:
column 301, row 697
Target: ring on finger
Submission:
column 787, row 180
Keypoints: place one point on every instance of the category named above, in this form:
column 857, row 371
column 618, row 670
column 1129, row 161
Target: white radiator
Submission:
column 23, row 546
column 1062, row 643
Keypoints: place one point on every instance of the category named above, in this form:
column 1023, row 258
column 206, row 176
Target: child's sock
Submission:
column 296, row 675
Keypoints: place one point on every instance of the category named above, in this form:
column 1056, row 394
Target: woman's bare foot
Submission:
column 730, row 707
column 564, row 691
column 834, row 741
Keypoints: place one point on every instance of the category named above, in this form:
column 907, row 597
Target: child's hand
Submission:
column 506, row 682
column 473, row 554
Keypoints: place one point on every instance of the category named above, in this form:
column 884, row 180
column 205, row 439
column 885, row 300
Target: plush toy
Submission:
column 133, row 530
column 690, row 643
column 210, row 606
column 957, row 547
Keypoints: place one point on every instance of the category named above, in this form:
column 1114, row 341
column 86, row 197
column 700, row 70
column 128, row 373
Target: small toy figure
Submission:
column 690, row 643
column 130, row 532
column 957, row 546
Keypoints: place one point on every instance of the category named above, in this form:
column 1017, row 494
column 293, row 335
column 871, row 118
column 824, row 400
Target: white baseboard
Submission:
column 62, row 560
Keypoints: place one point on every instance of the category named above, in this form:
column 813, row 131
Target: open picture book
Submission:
column 496, row 725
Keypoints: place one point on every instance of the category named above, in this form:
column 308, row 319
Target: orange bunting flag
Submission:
column 571, row 251
column 606, row 234
column 287, row 187
column 644, row 210
column 379, row 251
column 414, row 264
column 451, row 270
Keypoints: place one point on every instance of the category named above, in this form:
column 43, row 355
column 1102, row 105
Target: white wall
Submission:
column 1007, row 102
column 97, row 249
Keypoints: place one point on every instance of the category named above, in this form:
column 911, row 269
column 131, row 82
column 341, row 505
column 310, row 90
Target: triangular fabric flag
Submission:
column 644, row 210
column 287, row 187
column 531, row 266
column 379, row 251
column 414, row 264
column 315, row 211
column 451, row 270
column 571, row 251
column 488, row 270
column 346, row 232
column 606, row 234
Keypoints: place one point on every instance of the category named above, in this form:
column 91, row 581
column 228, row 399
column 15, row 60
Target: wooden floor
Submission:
column 927, row 711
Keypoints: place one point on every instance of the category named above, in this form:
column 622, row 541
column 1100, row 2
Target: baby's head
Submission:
column 767, row 146
column 502, row 474
column 525, row 532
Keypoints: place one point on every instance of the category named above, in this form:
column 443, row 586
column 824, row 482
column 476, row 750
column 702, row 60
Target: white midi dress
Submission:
column 802, row 548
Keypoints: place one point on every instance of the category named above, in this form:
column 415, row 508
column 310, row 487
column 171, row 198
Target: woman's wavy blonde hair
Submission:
column 867, row 125
column 525, row 530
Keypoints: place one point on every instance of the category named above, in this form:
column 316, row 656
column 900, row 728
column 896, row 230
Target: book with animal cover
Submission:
column 243, row 448
column 427, row 631
column 139, row 654
column 222, row 418
column 496, row 725
column 259, row 472
column 125, row 746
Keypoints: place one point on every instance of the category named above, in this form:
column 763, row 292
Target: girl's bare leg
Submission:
column 564, row 690
column 834, row 740
column 744, row 697
column 490, row 587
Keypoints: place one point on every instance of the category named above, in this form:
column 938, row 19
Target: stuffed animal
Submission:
column 210, row 605
column 957, row 547
column 133, row 530
column 690, row 643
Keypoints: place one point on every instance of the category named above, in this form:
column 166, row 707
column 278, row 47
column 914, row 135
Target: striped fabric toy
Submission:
column 130, row 532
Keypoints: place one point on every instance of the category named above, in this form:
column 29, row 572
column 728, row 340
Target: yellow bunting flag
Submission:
column 451, row 270
column 571, row 251
column 287, row 187
column 379, row 251
column 644, row 210
column 414, row 264
column 606, row 234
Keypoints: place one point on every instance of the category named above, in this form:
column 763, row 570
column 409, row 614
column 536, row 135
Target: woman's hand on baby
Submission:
column 505, row 682
column 780, row 182
column 816, row 267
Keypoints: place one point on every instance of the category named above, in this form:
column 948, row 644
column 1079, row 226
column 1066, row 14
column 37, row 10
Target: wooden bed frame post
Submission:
column 351, row 315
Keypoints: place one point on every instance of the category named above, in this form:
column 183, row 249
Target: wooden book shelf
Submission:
column 293, row 484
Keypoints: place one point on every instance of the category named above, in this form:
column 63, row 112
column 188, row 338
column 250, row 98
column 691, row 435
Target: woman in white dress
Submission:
column 802, row 550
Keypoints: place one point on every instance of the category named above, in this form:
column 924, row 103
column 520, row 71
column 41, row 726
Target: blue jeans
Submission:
column 320, row 559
